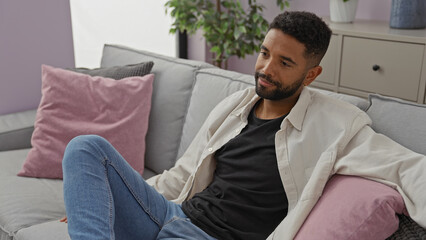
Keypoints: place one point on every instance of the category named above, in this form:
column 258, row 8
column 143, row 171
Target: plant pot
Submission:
column 343, row 12
column 408, row 14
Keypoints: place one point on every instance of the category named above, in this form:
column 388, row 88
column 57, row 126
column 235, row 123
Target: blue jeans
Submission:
column 106, row 199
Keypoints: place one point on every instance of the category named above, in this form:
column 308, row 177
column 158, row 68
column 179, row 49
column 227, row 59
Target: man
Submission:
column 257, row 166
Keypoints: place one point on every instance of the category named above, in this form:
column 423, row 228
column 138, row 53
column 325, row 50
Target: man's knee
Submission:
column 85, row 141
column 82, row 143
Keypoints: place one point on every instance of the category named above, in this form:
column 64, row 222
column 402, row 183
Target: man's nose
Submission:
column 268, row 68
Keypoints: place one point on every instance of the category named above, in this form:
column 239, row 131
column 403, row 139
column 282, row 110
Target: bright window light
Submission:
column 140, row 24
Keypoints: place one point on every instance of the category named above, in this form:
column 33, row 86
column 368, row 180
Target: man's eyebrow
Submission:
column 282, row 57
column 264, row 48
column 288, row 59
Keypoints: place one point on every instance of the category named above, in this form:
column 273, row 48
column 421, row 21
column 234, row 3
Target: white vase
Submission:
column 343, row 12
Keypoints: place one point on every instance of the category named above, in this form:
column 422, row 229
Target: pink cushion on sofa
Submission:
column 353, row 208
column 74, row 104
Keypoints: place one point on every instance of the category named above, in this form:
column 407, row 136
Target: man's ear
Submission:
column 312, row 74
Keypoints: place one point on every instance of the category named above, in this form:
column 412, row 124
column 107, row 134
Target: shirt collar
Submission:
column 245, row 109
column 296, row 115
column 298, row 112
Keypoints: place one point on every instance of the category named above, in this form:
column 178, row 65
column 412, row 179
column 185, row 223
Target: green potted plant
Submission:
column 229, row 29
column 343, row 11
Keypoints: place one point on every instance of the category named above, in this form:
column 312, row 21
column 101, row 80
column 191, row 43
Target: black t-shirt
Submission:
column 246, row 199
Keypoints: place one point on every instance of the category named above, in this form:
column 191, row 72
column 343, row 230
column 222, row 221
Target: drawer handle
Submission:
column 376, row 67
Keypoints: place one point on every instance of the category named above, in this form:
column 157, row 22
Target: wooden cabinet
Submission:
column 369, row 57
column 328, row 63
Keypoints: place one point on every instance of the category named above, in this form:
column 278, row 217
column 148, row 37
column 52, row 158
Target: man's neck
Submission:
column 269, row 109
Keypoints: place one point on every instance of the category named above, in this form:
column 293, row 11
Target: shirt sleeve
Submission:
column 377, row 157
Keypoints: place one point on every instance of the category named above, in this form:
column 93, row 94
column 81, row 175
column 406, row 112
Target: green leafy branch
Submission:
column 229, row 29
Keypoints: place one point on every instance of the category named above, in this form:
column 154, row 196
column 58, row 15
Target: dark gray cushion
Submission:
column 119, row 72
column 400, row 120
column 408, row 230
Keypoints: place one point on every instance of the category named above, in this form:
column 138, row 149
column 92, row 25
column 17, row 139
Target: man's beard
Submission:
column 279, row 92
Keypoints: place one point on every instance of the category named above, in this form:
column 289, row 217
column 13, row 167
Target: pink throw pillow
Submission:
column 74, row 104
column 353, row 208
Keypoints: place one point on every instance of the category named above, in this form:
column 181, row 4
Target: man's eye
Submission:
column 284, row 63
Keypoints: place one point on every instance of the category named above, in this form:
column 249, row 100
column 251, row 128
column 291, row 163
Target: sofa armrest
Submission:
column 16, row 130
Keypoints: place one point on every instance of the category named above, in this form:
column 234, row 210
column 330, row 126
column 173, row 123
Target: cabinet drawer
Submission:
column 329, row 62
column 385, row 67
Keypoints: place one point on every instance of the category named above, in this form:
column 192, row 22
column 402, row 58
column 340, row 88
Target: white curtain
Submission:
column 141, row 24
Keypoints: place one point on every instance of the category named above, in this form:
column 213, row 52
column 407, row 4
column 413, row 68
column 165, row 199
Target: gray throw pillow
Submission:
column 118, row 72
column 400, row 120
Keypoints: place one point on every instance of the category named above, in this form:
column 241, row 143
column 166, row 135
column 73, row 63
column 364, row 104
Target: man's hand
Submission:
column 64, row 219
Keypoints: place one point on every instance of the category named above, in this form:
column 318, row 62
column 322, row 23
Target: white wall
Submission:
column 141, row 24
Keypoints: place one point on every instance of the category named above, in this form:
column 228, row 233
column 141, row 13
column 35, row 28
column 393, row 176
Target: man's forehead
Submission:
column 283, row 44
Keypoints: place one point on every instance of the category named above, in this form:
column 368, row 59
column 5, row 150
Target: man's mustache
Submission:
column 264, row 76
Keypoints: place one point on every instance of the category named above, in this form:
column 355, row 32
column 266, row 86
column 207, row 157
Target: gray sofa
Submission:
column 184, row 93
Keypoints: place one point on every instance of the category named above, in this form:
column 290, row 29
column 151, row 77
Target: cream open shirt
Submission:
column 320, row 136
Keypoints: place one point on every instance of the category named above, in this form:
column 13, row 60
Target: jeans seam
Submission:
column 105, row 162
column 111, row 225
column 100, row 152
column 147, row 210
column 171, row 220
column 176, row 218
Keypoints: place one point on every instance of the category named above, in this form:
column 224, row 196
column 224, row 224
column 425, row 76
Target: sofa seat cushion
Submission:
column 26, row 201
column 4, row 235
column 174, row 79
column 53, row 230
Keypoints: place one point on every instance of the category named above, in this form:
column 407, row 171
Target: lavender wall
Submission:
column 367, row 9
column 31, row 33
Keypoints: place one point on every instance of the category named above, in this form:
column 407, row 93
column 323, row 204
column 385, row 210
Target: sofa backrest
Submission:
column 401, row 120
column 173, row 83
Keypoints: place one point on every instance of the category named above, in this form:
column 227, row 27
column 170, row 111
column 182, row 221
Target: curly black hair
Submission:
column 308, row 29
